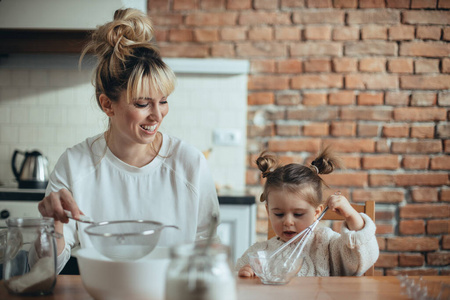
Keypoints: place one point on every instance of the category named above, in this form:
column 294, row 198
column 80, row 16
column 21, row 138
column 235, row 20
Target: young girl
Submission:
column 293, row 196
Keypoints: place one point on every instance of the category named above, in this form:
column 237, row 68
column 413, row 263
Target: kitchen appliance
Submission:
column 33, row 173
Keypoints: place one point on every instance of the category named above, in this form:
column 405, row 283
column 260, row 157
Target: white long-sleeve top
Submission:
column 176, row 188
column 328, row 253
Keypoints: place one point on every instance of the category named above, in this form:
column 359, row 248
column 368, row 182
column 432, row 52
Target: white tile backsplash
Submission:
column 51, row 107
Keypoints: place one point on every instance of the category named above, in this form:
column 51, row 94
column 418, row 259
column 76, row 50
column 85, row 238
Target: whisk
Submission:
column 284, row 263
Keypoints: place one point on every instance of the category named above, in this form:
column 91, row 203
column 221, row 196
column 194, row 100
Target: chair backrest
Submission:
column 368, row 208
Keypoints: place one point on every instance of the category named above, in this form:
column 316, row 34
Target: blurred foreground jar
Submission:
column 30, row 256
column 200, row 273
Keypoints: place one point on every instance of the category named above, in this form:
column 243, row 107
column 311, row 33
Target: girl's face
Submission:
column 289, row 213
column 138, row 121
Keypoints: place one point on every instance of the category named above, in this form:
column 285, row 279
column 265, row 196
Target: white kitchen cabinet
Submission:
column 237, row 227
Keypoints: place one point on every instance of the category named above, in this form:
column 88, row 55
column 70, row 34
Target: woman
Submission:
column 131, row 171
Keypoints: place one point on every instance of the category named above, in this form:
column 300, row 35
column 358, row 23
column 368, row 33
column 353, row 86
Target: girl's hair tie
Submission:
column 316, row 169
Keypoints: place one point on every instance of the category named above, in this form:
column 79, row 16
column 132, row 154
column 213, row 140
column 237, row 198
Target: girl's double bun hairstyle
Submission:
column 297, row 177
column 127, row 56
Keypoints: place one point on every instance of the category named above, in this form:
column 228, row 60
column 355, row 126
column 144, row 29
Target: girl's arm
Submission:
column 341, row 206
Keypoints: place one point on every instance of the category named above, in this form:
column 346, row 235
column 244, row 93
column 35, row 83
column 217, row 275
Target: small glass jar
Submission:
column 200, row 273
column 30, row 256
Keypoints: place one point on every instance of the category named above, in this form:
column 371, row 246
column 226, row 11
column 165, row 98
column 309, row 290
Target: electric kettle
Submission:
column 33, row 172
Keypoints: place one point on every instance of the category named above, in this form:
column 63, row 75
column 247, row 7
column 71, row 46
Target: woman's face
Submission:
column 138, row 120
column 289, row 213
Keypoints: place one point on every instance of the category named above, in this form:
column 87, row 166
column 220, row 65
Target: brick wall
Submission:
column 370, row 77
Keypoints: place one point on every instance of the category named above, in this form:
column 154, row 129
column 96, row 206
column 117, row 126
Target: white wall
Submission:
column 48, row 105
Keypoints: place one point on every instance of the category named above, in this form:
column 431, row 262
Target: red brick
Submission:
column 384, row 214
column 287, row 34
column 424, row 49
column 212, row 19
column 317, row 81
column 345, row 3
column 425, row 17
column 167, row 20
column 345, row 64
column 372, row 64
column 446, row 65
column 444, row 4
column 438, row 258
column 373, row 17
column 371, row 4
column 262, row 66
column 396, row 130
column 158, row 5
column 447, row 146
column 445, row 195
column 422, row 131
column 342, row 98
column 263, row 82
column 318, row 17
column 288, row 99
column 433, row 146
column 425, row 82
column 314, row 99
column 212, row 4
column 438, row 227
column 252, row 177
column 346, row 33
column 371, row 48
column 431, row 179
column 446, row 242
column 410, row 227
column 414, row 211
column 414, row 114
column 262, row 98
column 222, row 50
column 292, row 3
column 370, row 99
column 423, row 99
column 316, row 49
column 351, row 145
column 401, row 65
column 415, row 162
column 366, row 113
column 262, row 49
column 180, row 35
column 387, row 260
column 239, row 4
column 206, row 35
column 423, row 4
column 312, row 114
column 371, row 81
column 381, row 180
column 319, row 3
column 316, row 129
column 233, row 34
column 259, row 131
column 428, row 33
column 296, row 145
column 184, row 4
column 411, row 260
column 397, row 3
column 401, row 33
column 373, row 32
column 177, row 50
column 314, row 33
column 265, row 4
column 378, row 195
column 444, row 99
column 426, row 66
column 287, row 130
column 446, row 33
column 317, row 65
column 381, row 243
column 383, row 162
column 412, row 244
column 264, row 18
column 424, row 194
column 366, row 130
column 354, row 179
column 343, row 128
column 440, row 163
column 289, row 66
column 382, row 146
column 397, row 98
column 351, row 161
column 260, row 34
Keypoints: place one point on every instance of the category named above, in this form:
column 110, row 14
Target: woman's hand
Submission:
column 53, row 206
column 341, row 206
column 246, row 271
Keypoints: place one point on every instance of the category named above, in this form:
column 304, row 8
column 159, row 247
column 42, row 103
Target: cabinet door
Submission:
column 237, row 228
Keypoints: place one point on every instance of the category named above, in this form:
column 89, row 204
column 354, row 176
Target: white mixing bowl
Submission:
column 110, row 280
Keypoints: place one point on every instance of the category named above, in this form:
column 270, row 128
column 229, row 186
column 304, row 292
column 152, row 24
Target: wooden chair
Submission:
column 368, row 208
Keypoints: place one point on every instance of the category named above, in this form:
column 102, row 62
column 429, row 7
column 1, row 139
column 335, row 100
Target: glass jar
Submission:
column 30, row 256
column 200, row 273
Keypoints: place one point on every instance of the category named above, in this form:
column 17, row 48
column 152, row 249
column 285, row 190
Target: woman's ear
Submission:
column 106, row 105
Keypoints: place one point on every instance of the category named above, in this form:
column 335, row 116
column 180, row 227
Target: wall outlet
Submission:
column 227, row 137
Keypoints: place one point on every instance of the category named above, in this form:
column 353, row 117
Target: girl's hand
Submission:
column 246, row 271
column 341, row 206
